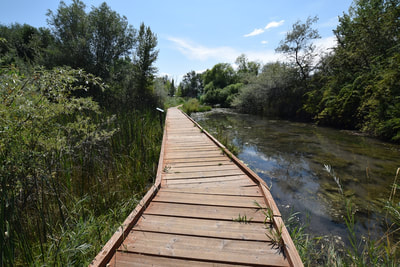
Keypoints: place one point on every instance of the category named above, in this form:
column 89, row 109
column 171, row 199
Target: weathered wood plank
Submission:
column 202, row 174
column 124, row 259
column 209, row 168
column 195, row 248
column 215, row 181
column 213, row 200
column 225, row 190
column 203, row 211
column 204, row 227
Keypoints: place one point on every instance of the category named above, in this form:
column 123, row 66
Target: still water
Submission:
column 290, row 157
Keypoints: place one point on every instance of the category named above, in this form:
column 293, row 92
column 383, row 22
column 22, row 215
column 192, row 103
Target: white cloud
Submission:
column 199, row 52
column 325, row 44
column 264, row 56
column 195, row 51
column 274, row 24
column 254, row 33
column 330, row 23
column 264, row 42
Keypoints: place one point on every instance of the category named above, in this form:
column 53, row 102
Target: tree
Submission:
column 111, row 38
column 172, row 88
column 191, row 85
column 245, row 66
column 143, row 59
column 70, row 27
column 298, row 47
column 222, row 75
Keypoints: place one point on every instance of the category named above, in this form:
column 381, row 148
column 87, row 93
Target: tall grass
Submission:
column 69, row 173
column 193, row 105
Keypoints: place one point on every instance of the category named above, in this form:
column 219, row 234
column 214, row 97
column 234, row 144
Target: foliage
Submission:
column 143, row 59
column 357, row 85
column 66, row 167
column 111, row 38
column 191, row 85
column 274, row 92
column 23, row 44
column 298, row 45
column 71, row 29
column 41, row 126
column 193, row 105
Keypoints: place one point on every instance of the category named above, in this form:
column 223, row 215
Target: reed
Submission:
column 70, row 172
column 361, row 251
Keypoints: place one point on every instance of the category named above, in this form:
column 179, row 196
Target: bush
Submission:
column 193, row 105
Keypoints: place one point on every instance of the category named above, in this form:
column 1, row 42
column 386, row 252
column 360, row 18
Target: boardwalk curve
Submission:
column 201, row 211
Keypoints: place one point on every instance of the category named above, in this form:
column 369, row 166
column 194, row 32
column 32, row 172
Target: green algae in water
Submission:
column 291, row 157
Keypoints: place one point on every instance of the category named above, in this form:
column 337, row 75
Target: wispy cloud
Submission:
column 227, row 54
column 272, row 24
column 199, row 52
column 254, row 33
column 264, row 42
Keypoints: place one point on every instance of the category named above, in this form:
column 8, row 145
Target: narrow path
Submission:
column 201, row 211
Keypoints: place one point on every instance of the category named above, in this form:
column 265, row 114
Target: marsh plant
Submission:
column 361, row 250
column 69, row 171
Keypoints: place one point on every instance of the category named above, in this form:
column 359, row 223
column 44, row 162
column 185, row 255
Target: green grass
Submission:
column 70, row 173
column 193, row 105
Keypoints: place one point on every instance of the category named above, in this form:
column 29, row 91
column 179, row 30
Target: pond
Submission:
column 291, row 157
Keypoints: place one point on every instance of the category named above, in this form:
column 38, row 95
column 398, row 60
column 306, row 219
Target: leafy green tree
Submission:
column 143, row 69
column 356, row 86
column 246, row 69
column 191, row 85
column 24, row 43
column 298, row 45
column 111, row 38
column 222, row 75
column 71, row 29
column 272, row 93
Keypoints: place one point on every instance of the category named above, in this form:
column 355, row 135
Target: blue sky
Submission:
column 197, row 34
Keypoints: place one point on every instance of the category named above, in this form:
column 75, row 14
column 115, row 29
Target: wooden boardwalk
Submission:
column 201, row 210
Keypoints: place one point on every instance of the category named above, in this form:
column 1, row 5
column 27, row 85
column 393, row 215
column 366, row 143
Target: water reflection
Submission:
column 290, row 157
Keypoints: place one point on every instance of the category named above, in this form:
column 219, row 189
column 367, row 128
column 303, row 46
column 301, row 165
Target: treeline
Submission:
column 101, row 42
column 356, row 85
column 79, row 137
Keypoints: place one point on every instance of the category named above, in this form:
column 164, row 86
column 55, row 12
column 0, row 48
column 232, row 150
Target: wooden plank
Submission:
column 203, row 212
column 176, row 149
column 124, row 259
column 210, row 168
column 211, row 249
column 203, row 227
column 194, row 155
column 189, row 160
column 177, row 165
column 216, row 181
column 204, row 174
column 213, row 200
column 226, row 190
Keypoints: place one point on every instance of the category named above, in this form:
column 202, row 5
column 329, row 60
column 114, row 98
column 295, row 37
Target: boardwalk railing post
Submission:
column 160, row 115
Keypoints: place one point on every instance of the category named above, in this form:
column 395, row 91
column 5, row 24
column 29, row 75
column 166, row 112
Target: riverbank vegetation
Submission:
column 79, row 137
column 361, row 251
column 354, row 86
